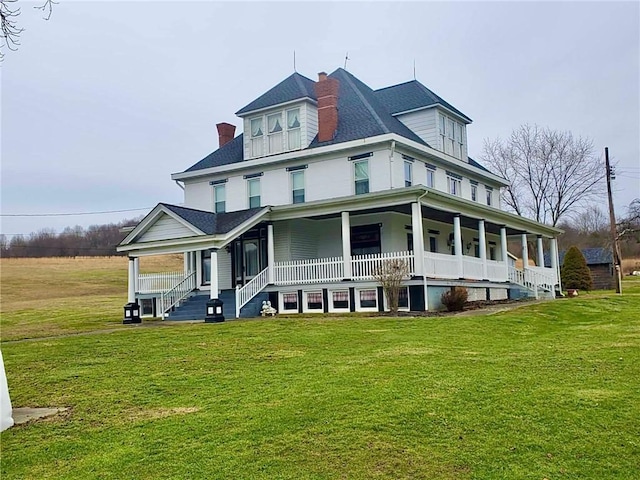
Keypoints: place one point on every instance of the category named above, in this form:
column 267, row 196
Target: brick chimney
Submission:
column 226, row 131
column 327, row 93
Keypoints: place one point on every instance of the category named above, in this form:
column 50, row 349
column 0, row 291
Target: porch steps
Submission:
column 194, row 307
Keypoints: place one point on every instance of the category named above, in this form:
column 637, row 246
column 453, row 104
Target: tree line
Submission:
column 95, row 240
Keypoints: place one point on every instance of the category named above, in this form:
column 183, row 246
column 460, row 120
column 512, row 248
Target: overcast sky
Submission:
column 104, row 101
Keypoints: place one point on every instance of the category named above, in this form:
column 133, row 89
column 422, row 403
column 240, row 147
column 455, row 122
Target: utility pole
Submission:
column 614, row 234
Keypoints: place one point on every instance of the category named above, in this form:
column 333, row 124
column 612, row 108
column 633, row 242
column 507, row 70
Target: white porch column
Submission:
column 482, row 239
column 525, row 252
column 346, row 245
column 186, row 256
column 214, row 274
column 136, row 273
column 540, row 251
column 193, row 262
column 131, row 294
column 457, row 244
column 554, row 260
column 418, row 239
column 271, row 249
column 505, row 252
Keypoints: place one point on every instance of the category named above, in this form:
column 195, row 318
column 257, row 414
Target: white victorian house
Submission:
column 326, row 181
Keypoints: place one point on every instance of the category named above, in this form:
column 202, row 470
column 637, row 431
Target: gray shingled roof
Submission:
column 411, row 96
column 593, row 256
column 232, row 152
column 293, row 87
column 213, row 223
column 477, row 165
column 361, row 115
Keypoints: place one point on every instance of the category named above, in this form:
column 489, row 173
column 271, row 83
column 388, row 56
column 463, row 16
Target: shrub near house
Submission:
column 574, row 272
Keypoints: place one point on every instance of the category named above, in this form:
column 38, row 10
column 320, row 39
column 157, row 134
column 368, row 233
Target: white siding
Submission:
column 166, row 228
column 310, row 126
column 199, row 194
column 423, row 124
column 295, row 240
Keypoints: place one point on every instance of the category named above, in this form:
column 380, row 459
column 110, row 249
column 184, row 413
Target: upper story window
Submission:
column 274, row 125
column 253, row 190
column 257, row 140
column 408, row 174
column 431, row 176
column 219, row 198
column 275, row 132
column 293, row 129
column 297, row 186
column 489, row 195
column 451, row 136
column 474, row 192
column 454, row 184
column 361, row 176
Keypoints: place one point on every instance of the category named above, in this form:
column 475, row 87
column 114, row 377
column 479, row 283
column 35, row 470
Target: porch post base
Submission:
column 131, row 314
column 214, row 311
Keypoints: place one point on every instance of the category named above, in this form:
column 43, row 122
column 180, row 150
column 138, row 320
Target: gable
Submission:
column 165, row 228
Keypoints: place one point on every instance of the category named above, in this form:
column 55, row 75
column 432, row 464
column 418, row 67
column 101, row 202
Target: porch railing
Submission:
column 441, row 265
column 516, row 276
column 314, row 270
column 496, row 271
column 542, row 277
column 472, row 268
column 158, row 282
column 251, row 289
column 364, row 267
column 178, row 292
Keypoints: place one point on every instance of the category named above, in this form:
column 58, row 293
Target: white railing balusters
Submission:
column 251, row 289
column 308, row 271
column 177, row 293
column 158, row 282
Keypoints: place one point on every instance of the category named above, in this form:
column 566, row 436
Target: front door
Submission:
column 249, row 255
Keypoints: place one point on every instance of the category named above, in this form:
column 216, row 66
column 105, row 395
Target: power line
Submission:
column 70, row 214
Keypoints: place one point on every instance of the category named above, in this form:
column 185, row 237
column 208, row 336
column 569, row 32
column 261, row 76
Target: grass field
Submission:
column 549, row 390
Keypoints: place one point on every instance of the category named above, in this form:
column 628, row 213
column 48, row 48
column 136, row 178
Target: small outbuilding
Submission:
column 600, row 263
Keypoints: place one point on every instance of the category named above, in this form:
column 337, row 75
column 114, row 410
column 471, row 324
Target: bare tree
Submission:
column 390, row 275
column 9, row 30
column 551, row 173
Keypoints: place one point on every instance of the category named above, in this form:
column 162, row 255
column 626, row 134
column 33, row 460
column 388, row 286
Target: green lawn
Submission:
column 550, row 390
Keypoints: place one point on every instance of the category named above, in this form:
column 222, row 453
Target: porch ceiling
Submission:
column 429, row 213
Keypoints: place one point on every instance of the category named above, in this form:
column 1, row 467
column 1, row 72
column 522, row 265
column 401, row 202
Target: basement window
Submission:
column 290, row 302
column 368, row 300
column 313, row 302
column 340, row 300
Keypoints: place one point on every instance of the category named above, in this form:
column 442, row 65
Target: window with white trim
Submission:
column 293, row 129
column 253, row 190
column 340, row 300
column 474, row 192
column 219, row 198
column 289, row 302
column 297, row 186
column 451, row 136
column 274, row 132
column 408, row 174
column 431, row 177
column 313, row 301
column 257, row 134
column 361, row 176
column 368, row 299
column 489, row 195
column 455, row 186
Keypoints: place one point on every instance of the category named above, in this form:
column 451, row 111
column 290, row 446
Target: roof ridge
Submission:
column 396, row 85
column 364, row 100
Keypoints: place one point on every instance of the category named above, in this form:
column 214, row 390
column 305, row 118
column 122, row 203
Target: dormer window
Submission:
column 451, row 136
column 256, row 137
column 275, row 132
column 293, row 129
column 274, row 124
